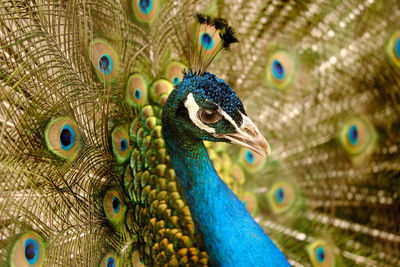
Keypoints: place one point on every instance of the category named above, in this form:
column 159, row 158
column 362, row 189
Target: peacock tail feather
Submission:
column 85, row 179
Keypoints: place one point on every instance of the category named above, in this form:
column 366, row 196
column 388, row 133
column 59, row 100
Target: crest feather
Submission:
column 213, row 35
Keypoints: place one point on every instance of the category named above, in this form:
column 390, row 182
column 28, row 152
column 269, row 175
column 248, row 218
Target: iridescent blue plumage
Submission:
column 67, row 137
column 353, row 135
column 31, row 251
column 397, row 48
column 145, row 6
column 231, row 236
column 277, row 70
column 279, row 195
column 105, row 64
column 249, row 156
column 207, row 41
column 320, row 254
column 110, row 262
column 116, row 204
column 124, row 144
column 209, row 89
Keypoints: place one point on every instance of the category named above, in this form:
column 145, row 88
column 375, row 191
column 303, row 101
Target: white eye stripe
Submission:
column 229, row 118
column 193, row 108
column 247, row 123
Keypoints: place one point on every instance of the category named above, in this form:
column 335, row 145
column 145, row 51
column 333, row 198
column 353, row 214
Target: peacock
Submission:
column 112, row 115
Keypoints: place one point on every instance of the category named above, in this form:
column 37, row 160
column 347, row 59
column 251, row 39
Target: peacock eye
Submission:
column 208, row 115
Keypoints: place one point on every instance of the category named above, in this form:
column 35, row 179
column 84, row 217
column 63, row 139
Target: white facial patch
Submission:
column 228, row 118
column 247, row 124
column 193, row 108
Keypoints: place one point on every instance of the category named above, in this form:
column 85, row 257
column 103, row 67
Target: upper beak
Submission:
column 249, row 136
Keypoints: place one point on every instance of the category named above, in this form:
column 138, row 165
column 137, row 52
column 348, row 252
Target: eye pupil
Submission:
column 208, row 114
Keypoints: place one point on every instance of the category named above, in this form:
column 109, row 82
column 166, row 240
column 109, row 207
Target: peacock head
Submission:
column 204, row 107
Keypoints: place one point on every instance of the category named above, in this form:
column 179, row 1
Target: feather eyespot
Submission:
column 138, row 94
column 277, row 70
column 136, row 90
column 393, row 48
column 212, row 36
column 281, row 197
column 251, row 161
column 114, row 207
column 105, row 64
column 280, row 69
column 120, row 143
column 62, row 137
column 357, row 136
column 321, row 254
column 174, row 72
column 207, row 41
column 31, row 251
column 145, row 10
column 109, row 260
column 352, row 135
column 249, row 156
column 123, row 144
column 146, row 6
column 116, row 203
column 28, row 250
column 136, row 259
column 104, row 59
column 67, row 137
column 208, row 115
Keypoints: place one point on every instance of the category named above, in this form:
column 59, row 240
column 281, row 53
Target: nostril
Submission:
column 249, row 131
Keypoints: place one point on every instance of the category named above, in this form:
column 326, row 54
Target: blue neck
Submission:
column 230, row 234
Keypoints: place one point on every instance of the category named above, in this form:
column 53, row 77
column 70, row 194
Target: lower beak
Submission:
column 248, row 136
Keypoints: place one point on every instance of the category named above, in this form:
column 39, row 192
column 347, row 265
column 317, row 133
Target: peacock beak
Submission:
column 249, row 136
